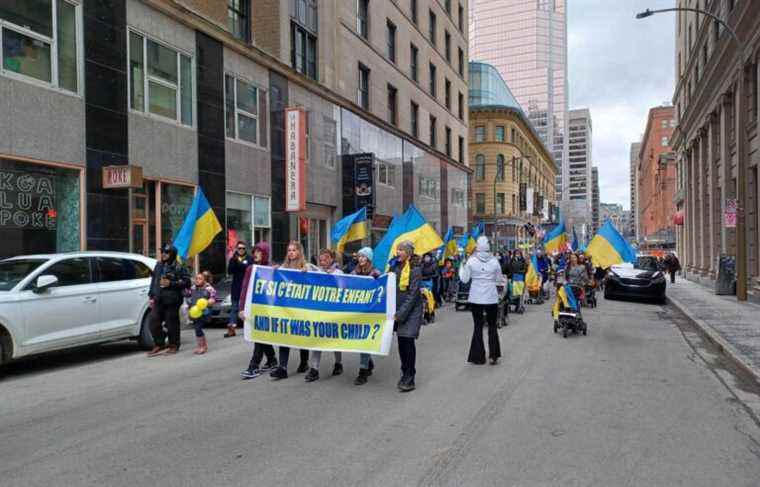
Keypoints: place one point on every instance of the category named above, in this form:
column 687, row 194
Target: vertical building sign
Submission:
column 364, row 190
column 295, row 159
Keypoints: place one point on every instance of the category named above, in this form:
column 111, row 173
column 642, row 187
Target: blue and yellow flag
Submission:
column 575, row 246
column 608, row 247
column 556, row 239
column 450, row 247
column 410, row 226
column 198, row 230
column 532, row 278
column 566, row 296
column 349, row 229
column 477, row 230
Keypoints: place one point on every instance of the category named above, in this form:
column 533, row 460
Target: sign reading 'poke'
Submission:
column 27, row 200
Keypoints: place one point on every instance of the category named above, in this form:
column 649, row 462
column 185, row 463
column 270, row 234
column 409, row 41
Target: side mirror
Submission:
column 44, row 282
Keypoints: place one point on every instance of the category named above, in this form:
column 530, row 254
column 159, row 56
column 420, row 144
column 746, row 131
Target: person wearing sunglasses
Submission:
column 169, row 281
column 236, row 268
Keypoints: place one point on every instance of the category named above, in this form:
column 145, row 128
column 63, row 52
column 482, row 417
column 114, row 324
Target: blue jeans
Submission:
column 198, row 325
column 234, row 310
column 364, row 359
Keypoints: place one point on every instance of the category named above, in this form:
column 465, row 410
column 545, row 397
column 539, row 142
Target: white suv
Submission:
column 56, row 301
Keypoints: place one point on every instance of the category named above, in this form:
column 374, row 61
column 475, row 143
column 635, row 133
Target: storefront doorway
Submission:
column 157, row 211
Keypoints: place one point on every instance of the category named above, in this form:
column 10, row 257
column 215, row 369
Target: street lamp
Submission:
column 741, row 149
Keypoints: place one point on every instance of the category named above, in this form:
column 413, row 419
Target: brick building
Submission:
column 657, row 173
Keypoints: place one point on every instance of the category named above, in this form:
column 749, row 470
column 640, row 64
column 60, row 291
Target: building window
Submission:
column 512, row 135
column 448, row 141
column 500, row 167
column 40, row 38
column 499, row 203
column 413, row 66
column 480, row 134
column 461, row 18
column 391, row 41
column 261, row 218
column 362, row 18
column 433, row 86
column 363, row 91
column 447, row 45
column 428, row 187
column 414, row 115
column 392, row 105
column 432, row 27
column 480, row 203
column 433, row 131
column 480, row 167
column 244, row 109
column 386, row 174
column 447, row 94
column 664, row 142
column 447, row 5
column 160, row 80
column 303, row 53
column 664, row 123
column 413, row 10
column 457, row 197
column 461, row 61
column 499, row 135
column 239, row 19
column 461, row 149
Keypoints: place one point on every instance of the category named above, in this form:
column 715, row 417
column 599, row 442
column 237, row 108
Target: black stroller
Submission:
column 570, row 320
column 462, row 296
column 502, row 318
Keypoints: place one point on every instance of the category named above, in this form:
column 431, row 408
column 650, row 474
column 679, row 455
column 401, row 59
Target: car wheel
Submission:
column 662, row 299
column 146, row 338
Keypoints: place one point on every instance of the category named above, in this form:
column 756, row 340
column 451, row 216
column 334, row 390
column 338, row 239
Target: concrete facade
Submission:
column 596, row 219
column 706, row 140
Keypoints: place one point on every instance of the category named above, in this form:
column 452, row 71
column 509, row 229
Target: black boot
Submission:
column 407, row 385
column 338, row 369
column 312, row 375
column 361, row 379
column 302, row 367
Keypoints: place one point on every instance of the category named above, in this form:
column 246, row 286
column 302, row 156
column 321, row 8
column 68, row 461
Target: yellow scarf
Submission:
column 403, row 283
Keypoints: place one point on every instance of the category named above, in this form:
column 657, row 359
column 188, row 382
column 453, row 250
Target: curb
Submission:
column 713, row 336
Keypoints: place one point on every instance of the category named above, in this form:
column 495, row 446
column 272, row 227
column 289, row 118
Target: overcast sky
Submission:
column 619, row 67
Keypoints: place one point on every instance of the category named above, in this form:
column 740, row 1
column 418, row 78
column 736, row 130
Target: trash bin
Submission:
column 726, row 281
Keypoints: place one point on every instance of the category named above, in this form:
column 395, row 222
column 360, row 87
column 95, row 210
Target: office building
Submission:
column 577, row 208
column 595, row 215
column 526, row 40
column 188, row 94
column 513, row 181
column 634, row 189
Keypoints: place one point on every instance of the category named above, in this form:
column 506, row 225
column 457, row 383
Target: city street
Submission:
column 640, row 401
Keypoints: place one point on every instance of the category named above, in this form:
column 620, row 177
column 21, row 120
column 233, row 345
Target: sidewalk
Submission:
column 731, row 325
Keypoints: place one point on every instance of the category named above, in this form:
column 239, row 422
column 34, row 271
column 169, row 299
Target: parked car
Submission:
column 220, row 311
column 57, row 301
column 644, row 279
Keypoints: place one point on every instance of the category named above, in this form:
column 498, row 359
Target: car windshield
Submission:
column 14, row 271
column 647, row 263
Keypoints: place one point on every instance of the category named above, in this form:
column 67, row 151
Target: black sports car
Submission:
column 644, row 280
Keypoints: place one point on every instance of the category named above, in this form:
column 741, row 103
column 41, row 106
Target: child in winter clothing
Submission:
column 201, row 289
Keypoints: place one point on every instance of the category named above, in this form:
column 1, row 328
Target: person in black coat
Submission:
column 408, row 318
column 167, row 286
column 236, row 268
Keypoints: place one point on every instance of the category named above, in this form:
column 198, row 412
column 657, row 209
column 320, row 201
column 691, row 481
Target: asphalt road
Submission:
column 640, row 401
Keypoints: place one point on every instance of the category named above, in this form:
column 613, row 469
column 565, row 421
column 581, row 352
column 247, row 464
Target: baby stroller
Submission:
column 462, row 296
column 502, row 318
column 535, row 294
column 568, row 317
column 590, row 295
column 516, row 293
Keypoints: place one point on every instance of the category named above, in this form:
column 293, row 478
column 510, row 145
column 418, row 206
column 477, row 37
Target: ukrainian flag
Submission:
column 450, row 247
column 532, row 278
column 349, row 229
column 567, row 297
column 575, row 246
column 198, row 230
column 556, row 239
column 477, row 230
column 410, row 226
column 608, row 247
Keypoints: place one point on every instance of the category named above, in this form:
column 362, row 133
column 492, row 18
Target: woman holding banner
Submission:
column 408, row 319
column 364, row 267
column 260, row 257
column 327, row 265
column 293, row 260
column 484, row 270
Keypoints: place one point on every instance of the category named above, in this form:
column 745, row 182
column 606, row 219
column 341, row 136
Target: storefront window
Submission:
column 427, row 183
column 39, row 209
column 238, row 221
column 175, row 203
column 261, row 218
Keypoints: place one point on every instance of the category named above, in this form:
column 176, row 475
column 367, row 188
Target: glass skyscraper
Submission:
column 526, row 40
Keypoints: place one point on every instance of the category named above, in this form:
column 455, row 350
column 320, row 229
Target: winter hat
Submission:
column 482, row 244
column 367, row 252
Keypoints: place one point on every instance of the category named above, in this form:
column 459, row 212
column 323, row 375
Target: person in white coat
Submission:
column 484, row 270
